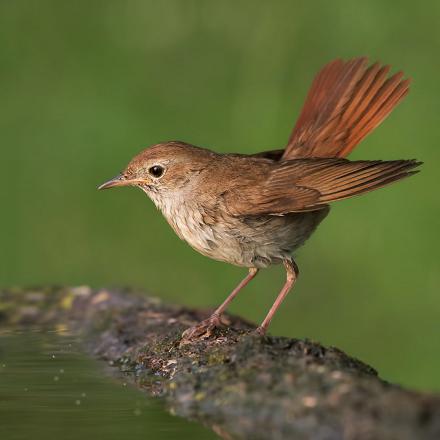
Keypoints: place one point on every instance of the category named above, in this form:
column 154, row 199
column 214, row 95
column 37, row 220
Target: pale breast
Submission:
column 257, row 241
column 186, row 220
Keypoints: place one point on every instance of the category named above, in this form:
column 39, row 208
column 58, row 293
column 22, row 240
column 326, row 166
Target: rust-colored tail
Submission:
column 346, row 101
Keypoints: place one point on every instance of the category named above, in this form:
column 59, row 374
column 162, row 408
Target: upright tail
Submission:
column 346, row 101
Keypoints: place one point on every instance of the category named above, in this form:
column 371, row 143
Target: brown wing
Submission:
column 309, row 184
column 346, row 101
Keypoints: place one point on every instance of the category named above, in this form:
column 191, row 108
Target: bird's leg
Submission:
column 220, row 309
column 207, row 325
column 292, row 274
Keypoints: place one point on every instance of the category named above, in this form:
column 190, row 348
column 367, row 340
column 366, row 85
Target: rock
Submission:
column 242, row 385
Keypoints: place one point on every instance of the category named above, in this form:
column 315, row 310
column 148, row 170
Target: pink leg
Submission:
column 251, row 275
column 213, row 321
column 292, row 274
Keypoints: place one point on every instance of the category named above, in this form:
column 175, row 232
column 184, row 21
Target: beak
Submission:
column 119, row 180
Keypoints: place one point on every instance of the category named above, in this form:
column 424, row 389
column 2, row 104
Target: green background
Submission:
column 86, row 85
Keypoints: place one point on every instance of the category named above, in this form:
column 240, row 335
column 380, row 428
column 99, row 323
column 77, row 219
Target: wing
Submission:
column 310, row 184
column 346, row 101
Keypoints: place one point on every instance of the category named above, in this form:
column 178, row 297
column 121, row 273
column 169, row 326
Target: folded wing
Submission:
column 310, row 184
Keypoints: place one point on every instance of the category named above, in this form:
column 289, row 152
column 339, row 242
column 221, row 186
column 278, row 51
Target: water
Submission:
column 49, row 389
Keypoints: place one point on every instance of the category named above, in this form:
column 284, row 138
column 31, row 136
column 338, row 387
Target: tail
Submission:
column 346, row 101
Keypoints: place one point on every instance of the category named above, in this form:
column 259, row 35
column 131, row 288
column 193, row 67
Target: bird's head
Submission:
column 163, row 169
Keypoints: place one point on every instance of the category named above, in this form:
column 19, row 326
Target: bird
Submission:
column 256, row 210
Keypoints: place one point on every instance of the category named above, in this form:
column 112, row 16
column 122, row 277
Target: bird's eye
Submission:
column 156, row 171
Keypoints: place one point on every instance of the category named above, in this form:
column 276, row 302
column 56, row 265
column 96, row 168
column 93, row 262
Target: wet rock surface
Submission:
column 242, row 385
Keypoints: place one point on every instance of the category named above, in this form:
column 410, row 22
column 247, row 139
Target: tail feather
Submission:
column 346, row 101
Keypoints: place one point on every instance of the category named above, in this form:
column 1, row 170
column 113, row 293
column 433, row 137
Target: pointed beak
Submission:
column 119, row 180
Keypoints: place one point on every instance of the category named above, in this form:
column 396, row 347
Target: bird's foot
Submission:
column 203, row 329
column 260, row 331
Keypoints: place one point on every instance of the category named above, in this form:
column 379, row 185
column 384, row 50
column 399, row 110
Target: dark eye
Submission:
column 156, row 170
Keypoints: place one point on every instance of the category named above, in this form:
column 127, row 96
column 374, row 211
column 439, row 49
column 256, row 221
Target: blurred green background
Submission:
column 86, row 85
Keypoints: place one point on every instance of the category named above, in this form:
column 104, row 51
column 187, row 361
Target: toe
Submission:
column 202, row 330
column 260, row 331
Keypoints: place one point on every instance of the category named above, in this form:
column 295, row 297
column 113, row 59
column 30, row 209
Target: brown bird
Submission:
column 256, row 210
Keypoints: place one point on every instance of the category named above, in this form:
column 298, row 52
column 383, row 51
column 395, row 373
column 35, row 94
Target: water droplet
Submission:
column 77, row 402
column 56, row 378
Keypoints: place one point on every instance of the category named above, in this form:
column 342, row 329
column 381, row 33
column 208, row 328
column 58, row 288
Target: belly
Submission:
column 246, row 241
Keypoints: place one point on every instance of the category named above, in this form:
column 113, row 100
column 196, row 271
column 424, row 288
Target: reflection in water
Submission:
column 49, row 390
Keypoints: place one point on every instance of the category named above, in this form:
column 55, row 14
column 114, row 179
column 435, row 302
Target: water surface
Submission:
column 49, row 389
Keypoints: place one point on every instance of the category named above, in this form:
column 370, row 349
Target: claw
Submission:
column 260, row 331
column 202, row 330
